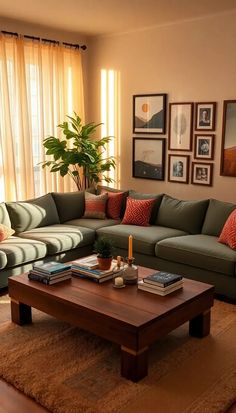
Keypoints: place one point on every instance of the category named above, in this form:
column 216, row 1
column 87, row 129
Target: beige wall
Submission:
column 190, row 61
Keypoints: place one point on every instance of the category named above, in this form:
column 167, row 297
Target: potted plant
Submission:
column 104, row 248
column 79, row 154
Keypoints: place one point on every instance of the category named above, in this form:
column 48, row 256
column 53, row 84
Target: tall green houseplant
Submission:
column 78, row 154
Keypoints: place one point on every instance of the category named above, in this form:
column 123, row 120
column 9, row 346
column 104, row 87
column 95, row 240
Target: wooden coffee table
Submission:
column 128, row 316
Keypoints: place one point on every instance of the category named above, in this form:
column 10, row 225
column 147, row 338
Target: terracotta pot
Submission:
column 104, row 263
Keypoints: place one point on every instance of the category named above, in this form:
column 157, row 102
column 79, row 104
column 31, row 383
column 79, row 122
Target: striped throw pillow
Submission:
column 95, row 206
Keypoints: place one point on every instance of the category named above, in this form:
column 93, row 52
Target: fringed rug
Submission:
column 68, row 370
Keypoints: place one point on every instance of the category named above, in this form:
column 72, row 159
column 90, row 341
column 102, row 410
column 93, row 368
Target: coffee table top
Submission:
column 130, row 305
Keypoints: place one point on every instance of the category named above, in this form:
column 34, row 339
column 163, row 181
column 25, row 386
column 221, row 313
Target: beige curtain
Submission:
column 39, row 85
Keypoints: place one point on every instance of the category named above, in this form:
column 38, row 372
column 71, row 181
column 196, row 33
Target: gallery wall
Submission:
column 191, row 61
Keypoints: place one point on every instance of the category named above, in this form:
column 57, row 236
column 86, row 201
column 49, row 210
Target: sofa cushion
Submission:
column 138, row 212
column 92, row 223
column 216, row 216
column 70, row 205
column 4, row 216
column 156, row 206
column 114, row 204
column 59, row 238
column 187, row 216
column 101, row 189
column 34, row 213
column 20, row 251
column 144, row 238
column 3, row 260
column 95, row 206
column 228, row 233
column 200, row 251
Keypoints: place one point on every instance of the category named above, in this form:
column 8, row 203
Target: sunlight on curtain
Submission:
column 110, row 108
column 39, row 85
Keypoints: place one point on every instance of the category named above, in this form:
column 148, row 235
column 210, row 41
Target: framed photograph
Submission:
column 178, row 168
column 149, row 158
column 205, row 116
column 204, row 146
column 181, row 126
column 149, row 113
column 202, row 173
column 228, row 146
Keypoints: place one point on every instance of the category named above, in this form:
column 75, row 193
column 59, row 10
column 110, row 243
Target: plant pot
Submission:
column 104, row 263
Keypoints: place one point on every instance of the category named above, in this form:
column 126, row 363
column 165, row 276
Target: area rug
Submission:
column 68, row 370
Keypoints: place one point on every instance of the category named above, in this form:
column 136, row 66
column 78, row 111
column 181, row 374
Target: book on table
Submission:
column 159, row 291
column 98, row 280
column 163, row 279
column 95, row 273
column 48, row 281
column 53, row 276
column 51, row 267
column 89, row 262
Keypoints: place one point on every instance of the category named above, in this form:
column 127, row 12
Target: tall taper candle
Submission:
column 130, row 251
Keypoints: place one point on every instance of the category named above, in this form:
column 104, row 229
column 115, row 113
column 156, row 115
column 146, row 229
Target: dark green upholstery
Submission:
column 19, row 251
column 70, row 205
column 187, row 216
column 92, row 223
column 200, row 251
column 144, row 238
column 33, row 214
column 156, row 206
column 4, row 216
column 216, row 216
column 59, row 238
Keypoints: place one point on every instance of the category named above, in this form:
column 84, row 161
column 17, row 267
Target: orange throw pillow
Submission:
column 5, row 232
column 95, row 206
column 228, row 233
column 138, row 211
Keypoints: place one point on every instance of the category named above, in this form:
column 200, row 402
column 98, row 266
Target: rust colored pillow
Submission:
column 138, row 211
column 228, row 233
column 95, row 206
column 5, row 232
column 114, row 204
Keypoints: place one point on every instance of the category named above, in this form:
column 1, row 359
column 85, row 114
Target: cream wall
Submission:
column 190, row 61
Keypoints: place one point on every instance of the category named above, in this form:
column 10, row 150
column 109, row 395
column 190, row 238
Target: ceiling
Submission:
column 101, row 17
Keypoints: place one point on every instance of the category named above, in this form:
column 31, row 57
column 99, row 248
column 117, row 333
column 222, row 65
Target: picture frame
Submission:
column 149, row 114
column 149, row 158
column 180, row 126
column 204, row 146
column 202, row 173
column 228, row 145
column 205, row 116
column 178, row 168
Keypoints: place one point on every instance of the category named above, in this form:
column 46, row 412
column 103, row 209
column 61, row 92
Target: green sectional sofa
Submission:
column 182, row 236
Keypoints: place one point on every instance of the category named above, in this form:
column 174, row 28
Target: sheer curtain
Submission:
column 39, row 85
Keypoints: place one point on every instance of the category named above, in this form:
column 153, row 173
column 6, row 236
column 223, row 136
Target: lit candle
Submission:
column 119, row 281
column 130, row 251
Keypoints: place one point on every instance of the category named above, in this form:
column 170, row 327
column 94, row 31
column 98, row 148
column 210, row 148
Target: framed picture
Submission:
column 204, row 146
column 202, row 173
column 205, row 116
column 228, row 146
column 149, row 113
column 178, row 168
column 181, row 126
column 149, row 158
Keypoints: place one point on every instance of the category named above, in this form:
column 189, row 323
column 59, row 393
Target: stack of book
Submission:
column 88, row 268
column 50, row 273
column 161, row 283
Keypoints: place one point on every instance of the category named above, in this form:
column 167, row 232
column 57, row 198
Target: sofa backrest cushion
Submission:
column 4, row 216
column 216, row 216
column 187, row 216
column 102, row 189
column 39, row 212
column 70, row 205
column 156, row 206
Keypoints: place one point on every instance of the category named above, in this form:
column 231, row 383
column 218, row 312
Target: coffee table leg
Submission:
column 20, row 313
column 200, row 325
column 134, row 364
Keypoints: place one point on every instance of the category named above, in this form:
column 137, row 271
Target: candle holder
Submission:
column 130, row 273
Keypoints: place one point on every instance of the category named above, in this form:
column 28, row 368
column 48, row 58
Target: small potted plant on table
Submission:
column 104, row 248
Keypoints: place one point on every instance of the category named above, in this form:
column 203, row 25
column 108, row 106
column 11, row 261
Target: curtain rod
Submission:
column 76, row 46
